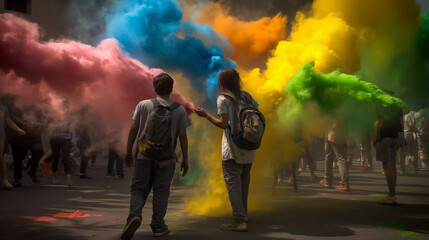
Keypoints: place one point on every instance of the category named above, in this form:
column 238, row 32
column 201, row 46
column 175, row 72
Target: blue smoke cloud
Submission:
column 153, row 31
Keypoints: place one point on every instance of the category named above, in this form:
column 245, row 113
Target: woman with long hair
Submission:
column 236, row 162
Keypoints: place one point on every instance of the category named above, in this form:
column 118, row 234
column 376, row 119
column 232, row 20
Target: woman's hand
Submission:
column 201, row 112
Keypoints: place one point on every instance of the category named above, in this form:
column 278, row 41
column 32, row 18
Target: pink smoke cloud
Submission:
column 102, row 77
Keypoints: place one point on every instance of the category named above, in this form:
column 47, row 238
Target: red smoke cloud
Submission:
column 44, row 72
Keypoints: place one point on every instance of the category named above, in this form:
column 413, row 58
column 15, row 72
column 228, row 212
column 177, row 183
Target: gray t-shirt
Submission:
column 4, row 114
column 230, row 150
column 180, row 120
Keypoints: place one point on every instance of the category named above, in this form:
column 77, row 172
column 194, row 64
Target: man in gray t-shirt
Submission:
column 154, row 173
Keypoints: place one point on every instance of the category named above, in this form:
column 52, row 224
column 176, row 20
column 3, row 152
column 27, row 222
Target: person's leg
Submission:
column 414, row 153
column 340, row 151
column 141, row 186
column 140, row 189
column 329, row 157
column 66, row 146
column 3, row 170
column 56, row 150
column 390, row 172
column 422, row 151
column 161, row 192
column 119, row 165
column 84, row 157
column 18, row 154
column 403, row 151
column 292, row 170
column 368, row 152
column 245, row 181
column 232, row 175
column 111, row 161
column 93, row 158
column 36, row 149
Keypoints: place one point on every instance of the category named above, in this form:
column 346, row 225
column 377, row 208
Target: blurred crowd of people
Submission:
column 38, row 139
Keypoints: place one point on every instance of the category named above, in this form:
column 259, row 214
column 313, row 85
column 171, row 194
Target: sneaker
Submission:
column 17, row 184
column 110, row 175
column 388, row 200
column 344, row 188
column 119, row 177
column 325, row 183
column 159, row 231
column 235, row 226
column 85, row 176
column 33, row 176
column 131, row 228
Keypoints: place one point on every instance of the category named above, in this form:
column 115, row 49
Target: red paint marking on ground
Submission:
column 97, row 215
column 78, row 213
column 42, row 219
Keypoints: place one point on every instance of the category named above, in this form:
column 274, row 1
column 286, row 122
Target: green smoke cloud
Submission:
column 397, row 59
column 336, row 96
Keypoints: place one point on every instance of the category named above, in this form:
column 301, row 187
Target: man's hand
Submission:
column 128, row 159
column 184, row 167
column 21, row 132
column 201, row 112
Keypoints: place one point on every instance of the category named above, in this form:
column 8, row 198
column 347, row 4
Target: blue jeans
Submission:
column 148, row 174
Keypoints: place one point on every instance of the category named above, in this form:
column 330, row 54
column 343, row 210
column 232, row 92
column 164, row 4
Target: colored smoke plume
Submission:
column 336, row 35
column 44, row 73
column 252, row 40
column 154, row 31
column 337, row 96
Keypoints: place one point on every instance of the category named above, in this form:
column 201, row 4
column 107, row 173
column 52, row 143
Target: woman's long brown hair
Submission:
column 229, row 83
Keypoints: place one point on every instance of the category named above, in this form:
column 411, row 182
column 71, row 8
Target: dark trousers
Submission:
column 19, row 152
column 148, row 174
column 114, row 156
column 85, row 156
column 61, row 148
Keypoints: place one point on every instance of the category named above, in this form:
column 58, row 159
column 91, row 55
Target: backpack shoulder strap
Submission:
column 155, row 102
column 174, row 105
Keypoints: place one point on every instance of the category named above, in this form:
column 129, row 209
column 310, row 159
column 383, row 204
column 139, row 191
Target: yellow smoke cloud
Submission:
column 252, row 41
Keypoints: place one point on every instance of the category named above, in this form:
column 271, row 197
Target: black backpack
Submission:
column 156, row 142
column 249, row 124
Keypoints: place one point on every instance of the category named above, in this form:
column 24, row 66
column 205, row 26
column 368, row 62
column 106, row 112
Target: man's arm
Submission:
column 184, row 146
column 134, row 129
column 12, row 125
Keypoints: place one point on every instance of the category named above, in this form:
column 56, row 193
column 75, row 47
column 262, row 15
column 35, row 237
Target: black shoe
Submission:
column 160, row 230
column 17, row 184
column 85, row 176
column 131, row 228
column 119, row 177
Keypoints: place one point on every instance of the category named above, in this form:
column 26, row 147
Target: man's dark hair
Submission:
column 163, row 84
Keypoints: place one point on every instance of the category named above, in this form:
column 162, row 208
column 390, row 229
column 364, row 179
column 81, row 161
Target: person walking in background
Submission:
column 336, row 146
column 236, row 161
column 31, row 122
column 410, row 149
column 6, row 120
column 388, row 138
column 114, row 156
column 422, row 124
column 156, row 124
column 61, row 143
